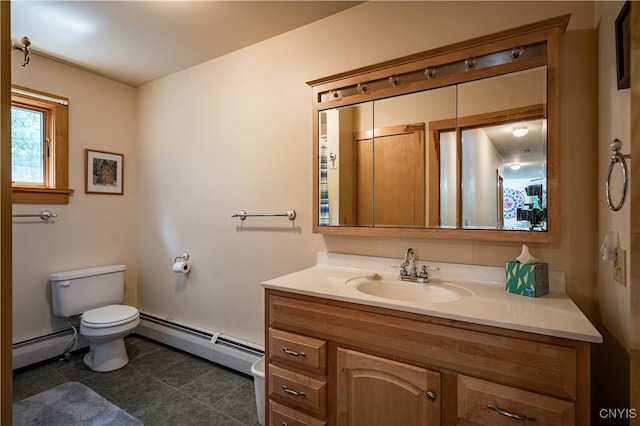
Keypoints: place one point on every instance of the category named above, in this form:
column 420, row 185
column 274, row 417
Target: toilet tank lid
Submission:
column 88, row 272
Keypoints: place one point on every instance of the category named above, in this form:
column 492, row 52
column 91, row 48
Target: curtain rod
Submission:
column 39, row 96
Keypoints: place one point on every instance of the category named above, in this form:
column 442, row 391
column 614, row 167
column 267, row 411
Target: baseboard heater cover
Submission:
column 227, row 351
column 42, row 348
column 221, row 349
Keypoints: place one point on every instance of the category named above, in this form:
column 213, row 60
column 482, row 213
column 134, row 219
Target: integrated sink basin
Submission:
column 404, row 291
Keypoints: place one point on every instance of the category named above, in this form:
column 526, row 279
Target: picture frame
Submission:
column 623, row 47
column 104, row 172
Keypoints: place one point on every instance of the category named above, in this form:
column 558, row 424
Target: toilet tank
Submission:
column 74, row 292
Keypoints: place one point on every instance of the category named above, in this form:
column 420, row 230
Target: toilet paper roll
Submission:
column 182, row 267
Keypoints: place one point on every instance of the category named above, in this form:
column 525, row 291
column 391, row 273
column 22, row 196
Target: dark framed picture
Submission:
column 623, row 47
column 104, row 172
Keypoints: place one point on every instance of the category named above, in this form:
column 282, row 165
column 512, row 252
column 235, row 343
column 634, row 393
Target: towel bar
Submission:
column 45, row 215
column 289, row 214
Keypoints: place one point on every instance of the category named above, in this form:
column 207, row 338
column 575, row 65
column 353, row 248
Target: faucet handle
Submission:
column 423, row 272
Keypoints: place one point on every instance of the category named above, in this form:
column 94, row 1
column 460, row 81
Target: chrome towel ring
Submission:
column 617, row 157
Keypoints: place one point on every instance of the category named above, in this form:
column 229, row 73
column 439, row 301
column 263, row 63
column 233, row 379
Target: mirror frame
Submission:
column 548, row 31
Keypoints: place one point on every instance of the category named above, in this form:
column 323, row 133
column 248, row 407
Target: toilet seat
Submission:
column 109, row 316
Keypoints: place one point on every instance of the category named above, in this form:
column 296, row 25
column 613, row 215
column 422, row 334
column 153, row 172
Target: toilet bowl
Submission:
column 105, row 329
column 96, row 294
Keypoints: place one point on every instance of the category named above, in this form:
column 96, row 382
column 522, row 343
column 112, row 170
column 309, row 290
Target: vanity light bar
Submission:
column 437, row 71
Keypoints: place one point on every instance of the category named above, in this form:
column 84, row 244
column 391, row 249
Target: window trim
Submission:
column 57, row 189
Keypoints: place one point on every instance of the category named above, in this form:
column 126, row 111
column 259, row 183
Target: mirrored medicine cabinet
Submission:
column 461, row 142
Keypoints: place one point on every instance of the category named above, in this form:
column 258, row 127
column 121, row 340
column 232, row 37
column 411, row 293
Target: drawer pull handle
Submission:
column 431, row 396
column 510, row 415
column 292, row 353
column 292, row 392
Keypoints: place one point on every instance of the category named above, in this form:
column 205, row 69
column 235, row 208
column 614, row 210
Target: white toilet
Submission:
column 97, row 294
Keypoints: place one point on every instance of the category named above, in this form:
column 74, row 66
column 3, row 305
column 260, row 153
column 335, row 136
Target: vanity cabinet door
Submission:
column 377, row 391
column 485, row 403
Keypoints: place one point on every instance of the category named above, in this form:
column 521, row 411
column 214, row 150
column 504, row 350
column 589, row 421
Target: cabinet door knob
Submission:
column 292, row 353
column 510, row 415
column 431, row 396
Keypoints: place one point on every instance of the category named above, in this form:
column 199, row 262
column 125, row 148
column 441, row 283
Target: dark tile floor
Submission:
column 160, row 386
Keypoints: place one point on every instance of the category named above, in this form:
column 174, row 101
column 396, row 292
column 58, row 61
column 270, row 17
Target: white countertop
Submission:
column 483, row 300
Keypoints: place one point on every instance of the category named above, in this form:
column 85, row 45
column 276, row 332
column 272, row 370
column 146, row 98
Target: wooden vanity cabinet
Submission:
column 339, row 363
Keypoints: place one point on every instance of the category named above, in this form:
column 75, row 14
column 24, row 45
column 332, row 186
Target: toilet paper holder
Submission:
column 181, row 264
column 184, row 257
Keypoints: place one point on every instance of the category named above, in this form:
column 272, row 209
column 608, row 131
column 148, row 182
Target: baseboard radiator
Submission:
column 42, row 348
column 219, row 348
column 224, row 350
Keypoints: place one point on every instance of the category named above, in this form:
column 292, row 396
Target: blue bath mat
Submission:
column 70, row 404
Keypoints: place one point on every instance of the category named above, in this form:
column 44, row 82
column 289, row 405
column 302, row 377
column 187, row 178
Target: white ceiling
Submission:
column 135, row 42
column 528, row 151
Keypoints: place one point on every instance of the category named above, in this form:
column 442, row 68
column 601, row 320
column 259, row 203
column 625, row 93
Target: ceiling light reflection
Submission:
column 520, row 131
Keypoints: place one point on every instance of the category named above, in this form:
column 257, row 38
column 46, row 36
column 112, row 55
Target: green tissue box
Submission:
column 529, row 280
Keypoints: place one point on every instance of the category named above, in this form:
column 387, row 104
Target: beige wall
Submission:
column 91, row 230
column 235, row 133
column 615, row 357
column 635, row 207
column 614, row 122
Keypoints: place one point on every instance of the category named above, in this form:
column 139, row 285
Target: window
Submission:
column 28, row 146
column 39, row 147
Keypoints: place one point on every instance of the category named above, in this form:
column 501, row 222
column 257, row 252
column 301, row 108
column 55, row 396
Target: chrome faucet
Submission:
column 409, row 271
column 410, row 262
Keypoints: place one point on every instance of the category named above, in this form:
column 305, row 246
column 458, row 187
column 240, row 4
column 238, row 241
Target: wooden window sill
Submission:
column 22, row 195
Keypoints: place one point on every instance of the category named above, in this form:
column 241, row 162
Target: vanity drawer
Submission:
column 298, row 350
column 476, row 396
column 298, row 389
column 280, row 415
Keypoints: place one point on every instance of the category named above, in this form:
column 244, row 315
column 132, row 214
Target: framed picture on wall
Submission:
column 623, row 47
column 103, row 172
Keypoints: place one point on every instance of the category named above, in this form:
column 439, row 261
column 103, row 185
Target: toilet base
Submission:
column 108, row 356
